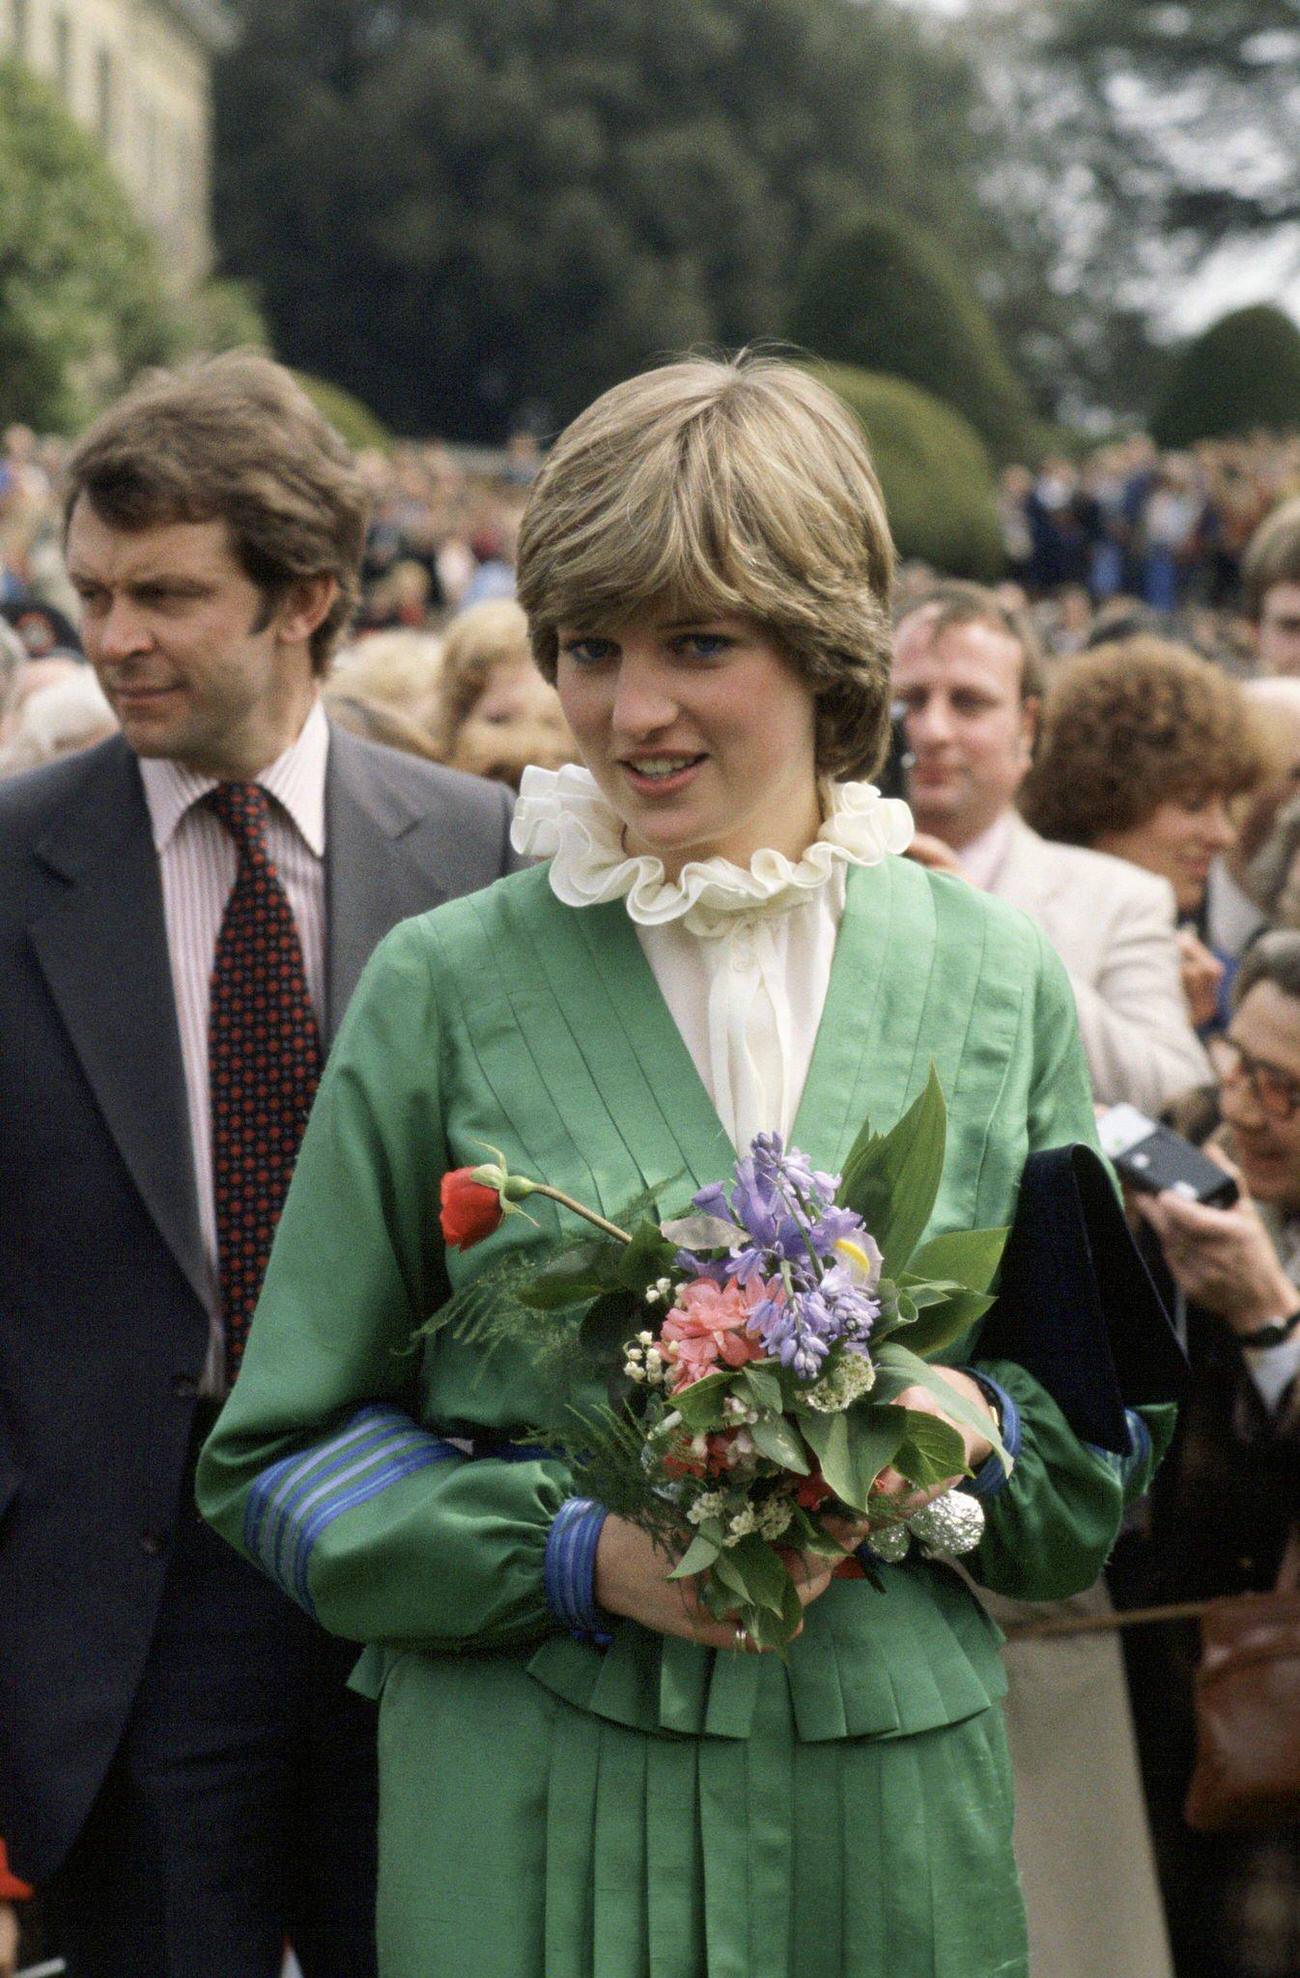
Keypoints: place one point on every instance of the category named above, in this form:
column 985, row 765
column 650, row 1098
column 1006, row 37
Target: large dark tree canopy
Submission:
column 466, row 210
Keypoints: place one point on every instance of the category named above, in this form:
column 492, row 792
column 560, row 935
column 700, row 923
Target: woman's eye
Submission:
column 705, row 645
column 588, row 652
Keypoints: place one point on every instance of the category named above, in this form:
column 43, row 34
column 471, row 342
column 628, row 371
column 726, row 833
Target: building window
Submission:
column 63, row 54
column 104, row 92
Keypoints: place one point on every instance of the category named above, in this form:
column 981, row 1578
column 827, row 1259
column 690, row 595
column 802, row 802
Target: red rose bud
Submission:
column 470, row 1210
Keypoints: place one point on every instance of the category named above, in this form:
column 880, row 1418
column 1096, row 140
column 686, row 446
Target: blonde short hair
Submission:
column 724, row 487
column 478, row 640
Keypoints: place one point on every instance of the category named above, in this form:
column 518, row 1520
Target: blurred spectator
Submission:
column 1170, row 533
column 1271, row 576
column 1225, row 1498
column 1233, row 913
column 1143, row 743
column 968, row 676
column 399, row 672
column 1061, row 525
column 498, row 713
column 57, row 719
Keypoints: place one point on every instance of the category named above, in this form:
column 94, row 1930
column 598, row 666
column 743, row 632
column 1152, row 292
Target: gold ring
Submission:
column 742, row 1638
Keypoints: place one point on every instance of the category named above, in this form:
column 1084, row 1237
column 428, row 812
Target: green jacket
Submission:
column 508, row 1019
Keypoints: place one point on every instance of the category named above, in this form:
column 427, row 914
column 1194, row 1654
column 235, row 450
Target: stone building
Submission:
column 137, row 74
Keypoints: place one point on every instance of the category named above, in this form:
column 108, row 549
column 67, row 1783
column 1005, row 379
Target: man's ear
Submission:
column 305, row 605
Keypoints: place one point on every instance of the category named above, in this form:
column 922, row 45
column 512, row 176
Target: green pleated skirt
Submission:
column 521, row 1837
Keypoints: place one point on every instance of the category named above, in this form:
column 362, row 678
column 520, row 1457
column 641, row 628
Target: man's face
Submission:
column 969, row 733
column 1266, row 1029
column 194, row 665
column 1278, row 634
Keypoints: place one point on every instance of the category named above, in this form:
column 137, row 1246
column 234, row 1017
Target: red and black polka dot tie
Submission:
column 264, row 1060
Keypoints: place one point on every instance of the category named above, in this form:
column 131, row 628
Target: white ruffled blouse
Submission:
column 742, row 958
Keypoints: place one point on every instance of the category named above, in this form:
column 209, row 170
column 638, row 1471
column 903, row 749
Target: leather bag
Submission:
column 1247, row 1698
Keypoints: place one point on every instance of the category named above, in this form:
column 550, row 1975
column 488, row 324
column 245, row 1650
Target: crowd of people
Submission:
column 1108, row 741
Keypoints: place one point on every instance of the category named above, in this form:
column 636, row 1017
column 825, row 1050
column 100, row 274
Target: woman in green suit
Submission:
column 584, row 1774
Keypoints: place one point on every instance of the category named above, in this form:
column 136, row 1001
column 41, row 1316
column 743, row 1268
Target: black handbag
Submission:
column 1077, row 1306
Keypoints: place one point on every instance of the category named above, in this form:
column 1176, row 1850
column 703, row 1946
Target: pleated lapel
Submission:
column 600, row 1037
column 102, row 946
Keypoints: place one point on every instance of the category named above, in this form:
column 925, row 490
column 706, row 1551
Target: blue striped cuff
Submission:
column 569, row 1570
column 293, row 1501
column 990, row 1477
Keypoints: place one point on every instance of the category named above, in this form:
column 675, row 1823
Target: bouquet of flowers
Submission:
column 751, row 1352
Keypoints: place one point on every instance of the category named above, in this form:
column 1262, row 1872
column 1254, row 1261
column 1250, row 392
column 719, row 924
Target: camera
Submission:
column 1152, row 1157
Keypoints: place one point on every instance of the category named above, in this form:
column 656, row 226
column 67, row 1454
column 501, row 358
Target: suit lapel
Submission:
column 102, row 946
column 385, row 859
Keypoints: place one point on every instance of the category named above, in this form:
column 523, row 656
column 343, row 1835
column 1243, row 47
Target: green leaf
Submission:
column 893, row 1359
column 853, row 1448
column 941, row 1324
column 752, row 1569
column 700, row 1404
column 573, row 1278
column 647, row 1257
column 606, row 1326
column 893, row 1181
column 701, row 1552
column 969, row 1257
column 779, row 1442
column 763, row 1389
column 930, row 1452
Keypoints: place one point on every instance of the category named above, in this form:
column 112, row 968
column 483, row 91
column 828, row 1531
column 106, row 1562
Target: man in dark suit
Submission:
column 184, row 912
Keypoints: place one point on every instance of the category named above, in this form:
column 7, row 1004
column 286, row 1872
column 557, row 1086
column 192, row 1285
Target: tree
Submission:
column 882, row 296
column 81, row 299
column 471, row 210
column 938, row 490
column 1241, row 374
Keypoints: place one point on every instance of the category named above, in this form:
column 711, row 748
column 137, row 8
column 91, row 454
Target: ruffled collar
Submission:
column 561, row 815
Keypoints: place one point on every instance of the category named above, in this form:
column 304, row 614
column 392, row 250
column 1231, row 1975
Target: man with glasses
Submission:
column 1228, row 1494
column 1242, row 1264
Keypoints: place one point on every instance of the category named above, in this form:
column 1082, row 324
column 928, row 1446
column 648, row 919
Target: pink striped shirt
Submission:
column 197, row 864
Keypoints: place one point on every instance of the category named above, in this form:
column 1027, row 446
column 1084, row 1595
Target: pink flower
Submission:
column 707, row 1325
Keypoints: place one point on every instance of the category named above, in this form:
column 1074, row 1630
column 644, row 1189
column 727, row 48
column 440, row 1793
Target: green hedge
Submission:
column 933, row 468
column 883, row 296
column 353, row 421
column 1240, row 374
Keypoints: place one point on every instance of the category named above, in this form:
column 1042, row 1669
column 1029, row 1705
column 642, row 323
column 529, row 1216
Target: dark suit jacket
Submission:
column 103, row 1326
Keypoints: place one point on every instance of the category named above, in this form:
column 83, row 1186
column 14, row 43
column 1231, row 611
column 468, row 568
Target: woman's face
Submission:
column 699, row 733
column 515, row 721
column 1179, row 840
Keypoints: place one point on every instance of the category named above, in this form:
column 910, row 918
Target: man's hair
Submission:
column 712, row 488
column 1272, row 556
column 954, row 602
column 1129, row 726
column 1274, row 957
column 233, row 439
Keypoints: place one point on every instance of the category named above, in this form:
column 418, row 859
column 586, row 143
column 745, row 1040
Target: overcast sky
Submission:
column 1252, row 271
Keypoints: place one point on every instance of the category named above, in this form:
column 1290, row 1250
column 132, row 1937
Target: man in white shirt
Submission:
column 967, row 675
column 184, row 912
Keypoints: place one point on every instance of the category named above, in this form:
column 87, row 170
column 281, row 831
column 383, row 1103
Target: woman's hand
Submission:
column 631, row 1579
column 906, row 1500
column 1202, row 973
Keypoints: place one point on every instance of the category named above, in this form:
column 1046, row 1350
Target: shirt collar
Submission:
column 295, row 779
column 981, row 860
